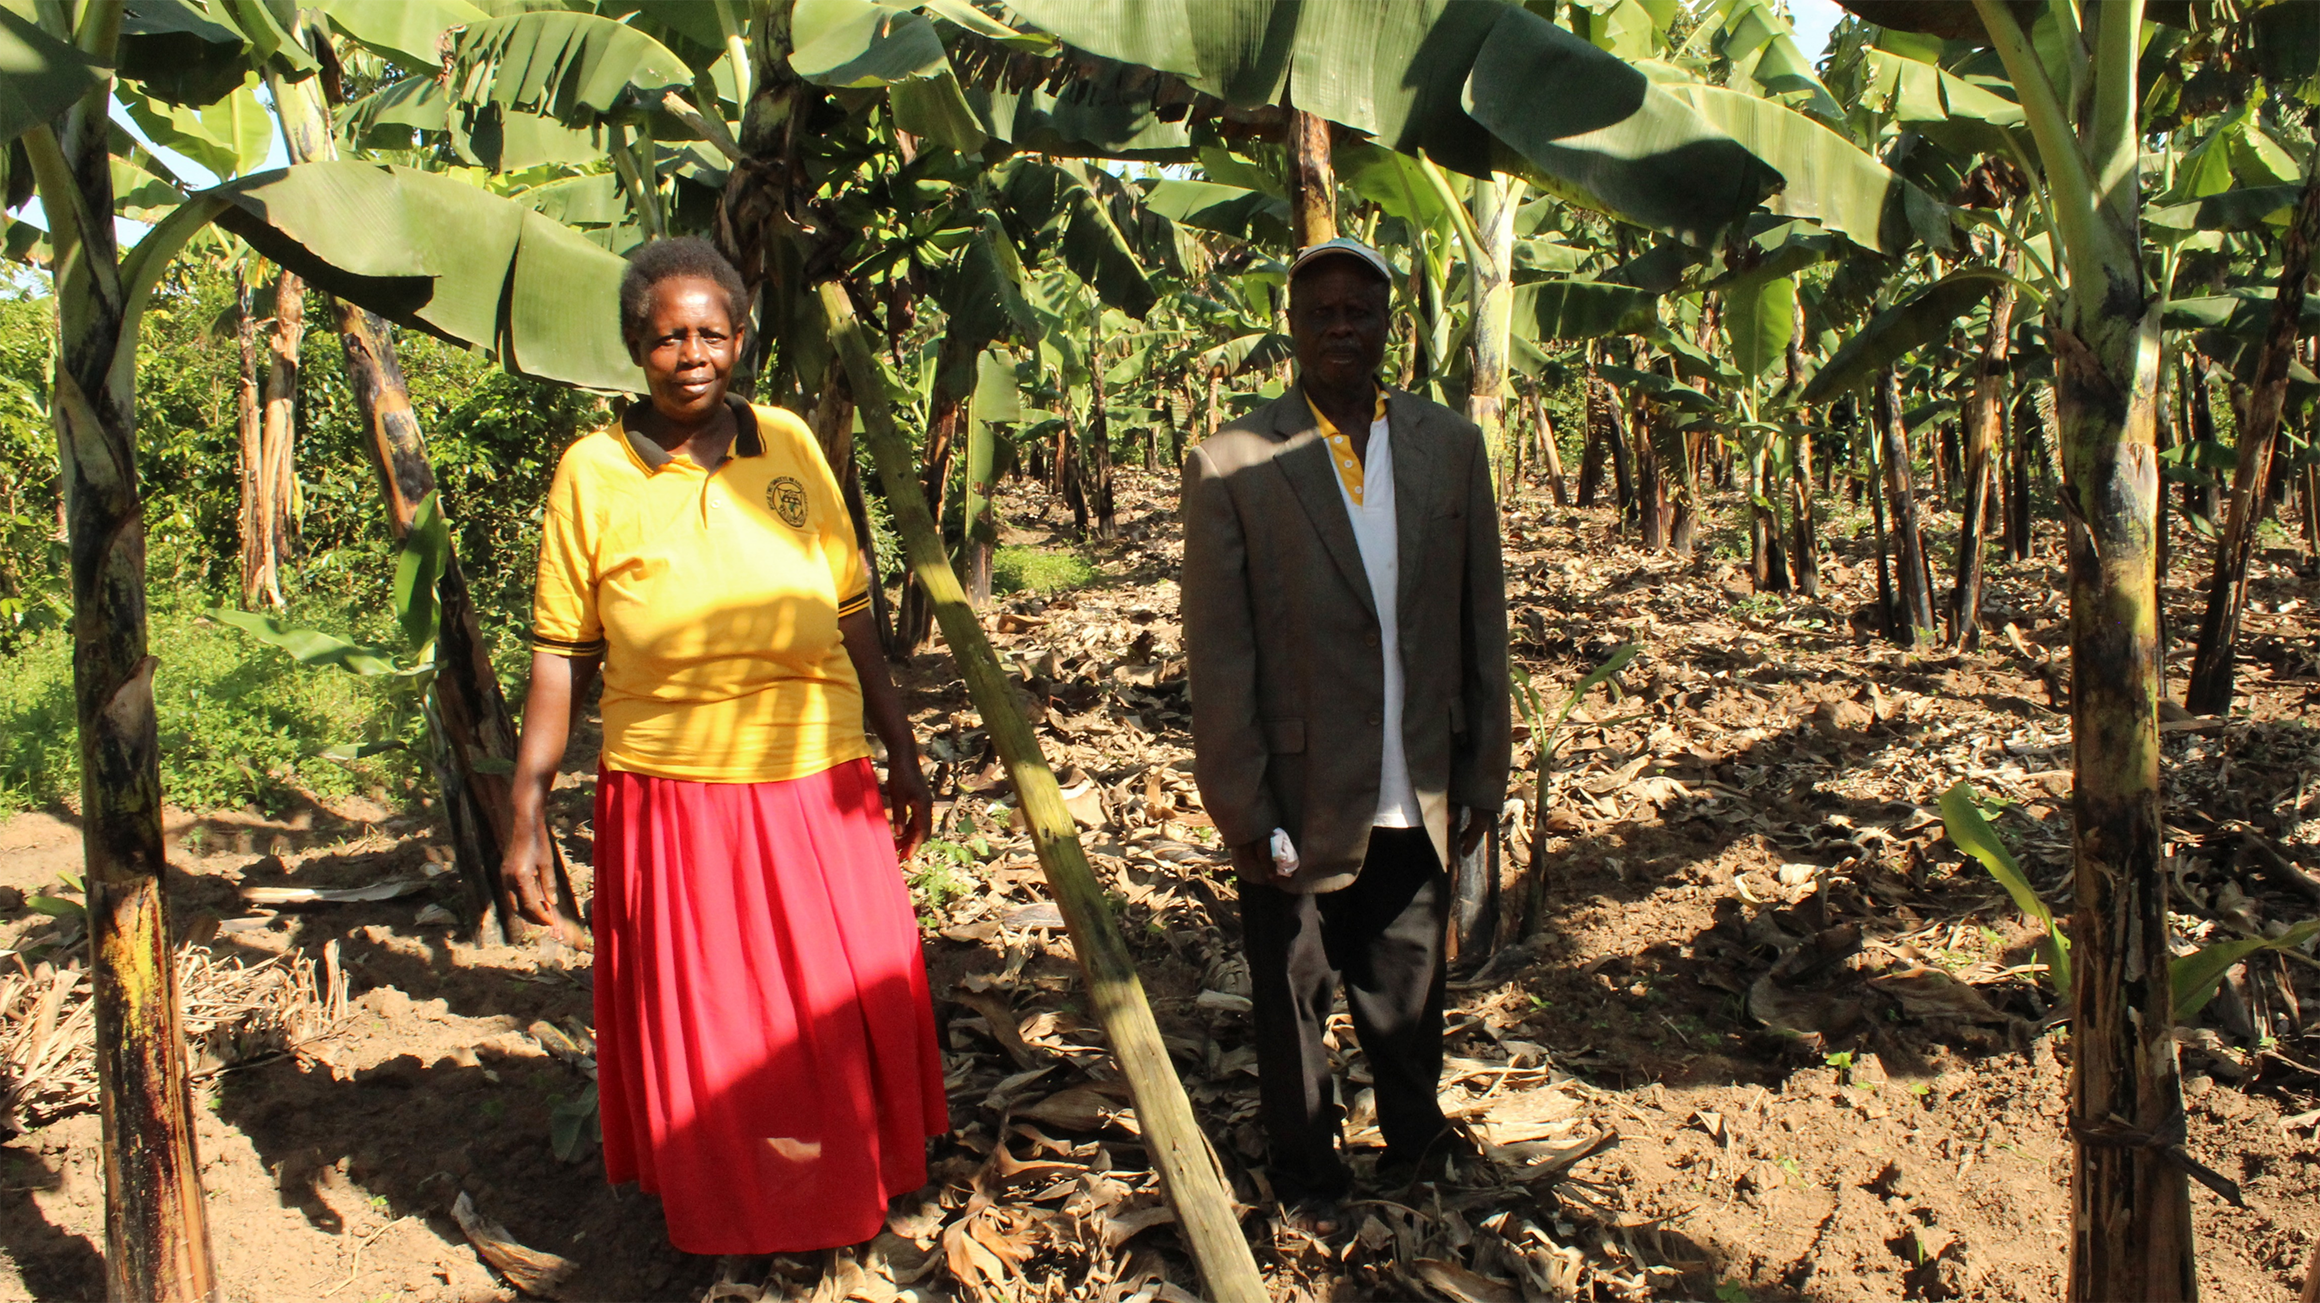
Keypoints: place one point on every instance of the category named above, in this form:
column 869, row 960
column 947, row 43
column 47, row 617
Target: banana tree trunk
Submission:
column 1099, row 481
column 2017, row 512
column 1915, row 615
column 946, row 416
column 2214, row 663
column 1188, row 1167
column 1312, row 180
column 2311, row 495
column 469, row 708
column 1490, row 281
column 1550, row 456
column 1591, row 448
column 2131, row 1211
column 156, row 1226
column 833, row 425
column 1985, row 414
column 265, row 541
column 1804, row 548
column 1650, row 488
column 982, row 525
column 251, row 420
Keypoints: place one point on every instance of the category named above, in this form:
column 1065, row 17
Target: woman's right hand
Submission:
column 524, row 880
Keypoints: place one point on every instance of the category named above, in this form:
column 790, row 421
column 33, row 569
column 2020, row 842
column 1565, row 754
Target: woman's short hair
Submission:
column 661, row 260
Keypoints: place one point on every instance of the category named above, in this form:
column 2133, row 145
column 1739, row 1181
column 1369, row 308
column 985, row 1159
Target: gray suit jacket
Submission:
column 1288, row 687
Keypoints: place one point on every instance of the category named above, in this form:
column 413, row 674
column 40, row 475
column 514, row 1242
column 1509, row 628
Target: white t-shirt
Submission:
column 1377, row 531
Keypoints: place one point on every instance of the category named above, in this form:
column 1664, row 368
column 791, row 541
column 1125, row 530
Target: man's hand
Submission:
column 1469, row 826
column 1254, row 861
column 909, row 807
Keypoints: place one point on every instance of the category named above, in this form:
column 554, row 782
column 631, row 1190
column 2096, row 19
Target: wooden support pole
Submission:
column 1188, row 1167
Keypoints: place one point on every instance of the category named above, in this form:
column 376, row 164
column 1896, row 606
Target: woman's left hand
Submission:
column 909, row 806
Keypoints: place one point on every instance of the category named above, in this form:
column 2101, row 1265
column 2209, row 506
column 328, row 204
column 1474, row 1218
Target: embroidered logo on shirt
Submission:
column 787, row 497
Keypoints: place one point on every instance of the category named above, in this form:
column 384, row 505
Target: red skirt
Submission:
column 766, row 1057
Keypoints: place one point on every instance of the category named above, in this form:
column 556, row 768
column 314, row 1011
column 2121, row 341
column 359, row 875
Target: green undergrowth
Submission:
column 1019, row 569
column 241, row 724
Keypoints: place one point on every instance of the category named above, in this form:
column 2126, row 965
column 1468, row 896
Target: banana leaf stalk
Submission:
column 1188, row 1167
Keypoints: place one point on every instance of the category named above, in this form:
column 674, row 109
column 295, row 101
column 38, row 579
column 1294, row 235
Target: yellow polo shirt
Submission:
column 714, row 598
column 1349, row 467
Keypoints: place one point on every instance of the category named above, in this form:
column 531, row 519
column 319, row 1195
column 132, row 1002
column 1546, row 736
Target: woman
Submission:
column 766, row 1058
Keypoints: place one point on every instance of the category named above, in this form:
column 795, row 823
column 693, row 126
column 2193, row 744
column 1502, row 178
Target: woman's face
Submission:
column 687, row 348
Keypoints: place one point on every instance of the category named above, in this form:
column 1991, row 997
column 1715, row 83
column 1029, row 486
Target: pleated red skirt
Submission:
column 766, row 1058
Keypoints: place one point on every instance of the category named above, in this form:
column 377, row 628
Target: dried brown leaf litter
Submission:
column 235, row 1013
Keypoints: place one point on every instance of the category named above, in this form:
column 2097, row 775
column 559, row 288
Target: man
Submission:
column 1345, row 619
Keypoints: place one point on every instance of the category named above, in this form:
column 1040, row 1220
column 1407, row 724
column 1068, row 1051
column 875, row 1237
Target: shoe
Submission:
column 1319, row 1217
column 1400, row 1172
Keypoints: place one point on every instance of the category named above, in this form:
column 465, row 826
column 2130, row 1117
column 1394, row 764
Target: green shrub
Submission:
column 1018, row 569
column 241, row 723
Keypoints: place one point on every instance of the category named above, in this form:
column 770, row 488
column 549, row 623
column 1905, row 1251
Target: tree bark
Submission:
column 1985, row 413
column 156, row 1225
column 2213, row 664
column 1915, row 615
column 1189, row 1172
column 1312, row 180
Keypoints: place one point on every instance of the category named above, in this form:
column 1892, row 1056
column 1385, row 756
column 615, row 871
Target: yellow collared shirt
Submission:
column 1349, row 468
column 714, row 598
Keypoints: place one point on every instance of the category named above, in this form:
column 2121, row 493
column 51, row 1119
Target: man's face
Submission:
column 1337, row 317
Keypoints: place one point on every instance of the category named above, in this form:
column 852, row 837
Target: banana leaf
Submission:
column 855, row 43
column 1108, row 113
column 230, row 137
column 439, row 254
column 1225, row 209
column 1760, row 313
column 1426, row 74
column 2195, row 976
column 312, row 646
column 176, row 51
column 1829, row 179
column 1055, row 198
column 1577, row 309
column 1903, row 328
column 40, row 76
column 574, row 68
column 407, row 32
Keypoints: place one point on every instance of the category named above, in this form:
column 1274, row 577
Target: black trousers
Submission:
column 1383, row 936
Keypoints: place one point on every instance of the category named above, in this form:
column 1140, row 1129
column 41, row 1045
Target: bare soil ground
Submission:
column 1761, row 1033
